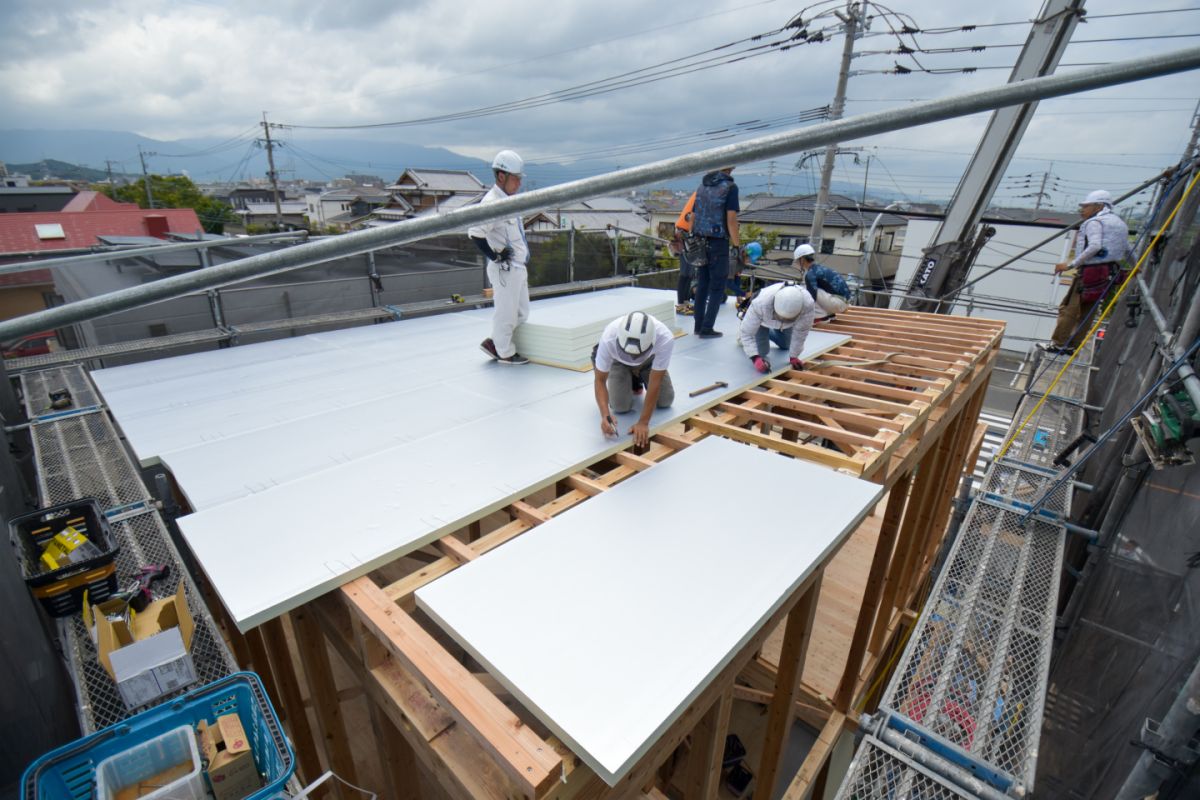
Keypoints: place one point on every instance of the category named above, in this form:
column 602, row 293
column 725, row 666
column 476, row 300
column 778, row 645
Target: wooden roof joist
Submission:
column 902, row 424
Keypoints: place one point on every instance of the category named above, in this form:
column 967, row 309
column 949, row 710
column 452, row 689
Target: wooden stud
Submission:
column 454, row 548
column 586, row 485
column 331, row 727
column 301, row 734
column 796, row 638
column 824, row 431
column 888, row 529
column 525, row 758
column 527, row 513
column 805, row 451
column 261, row 664
column 708, row 748
column 628, row 459
column 816, row 758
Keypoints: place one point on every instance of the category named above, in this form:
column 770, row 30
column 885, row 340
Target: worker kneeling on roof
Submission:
column 826, row 286
column 634, row 351
column 781, row 313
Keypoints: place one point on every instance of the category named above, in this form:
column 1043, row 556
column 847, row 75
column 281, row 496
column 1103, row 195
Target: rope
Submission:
column 1103, row 316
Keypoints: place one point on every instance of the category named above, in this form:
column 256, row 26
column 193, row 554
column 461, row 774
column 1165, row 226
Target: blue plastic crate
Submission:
column 69, row 773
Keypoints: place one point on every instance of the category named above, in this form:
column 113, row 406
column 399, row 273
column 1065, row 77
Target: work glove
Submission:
column 761, row 364
column 797, row 364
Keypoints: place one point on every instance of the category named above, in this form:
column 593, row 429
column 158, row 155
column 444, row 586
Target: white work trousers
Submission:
column 510, row 299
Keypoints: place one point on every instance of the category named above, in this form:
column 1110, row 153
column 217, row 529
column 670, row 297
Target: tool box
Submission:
column 51, row 532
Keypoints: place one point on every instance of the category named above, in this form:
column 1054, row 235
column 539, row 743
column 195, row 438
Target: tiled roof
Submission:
column 95, row 201
column 83, row 229
column 799, row 211
column 438, row 180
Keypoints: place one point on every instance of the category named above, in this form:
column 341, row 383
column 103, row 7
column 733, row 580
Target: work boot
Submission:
column 710, row 334
column 515, row 360
column 489, row 347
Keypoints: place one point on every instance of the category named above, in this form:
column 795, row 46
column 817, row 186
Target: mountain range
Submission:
column 215, row 160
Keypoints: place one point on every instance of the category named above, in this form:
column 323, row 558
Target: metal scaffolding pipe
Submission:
column 1166, row 743
column 148, row 250
column 621, row 180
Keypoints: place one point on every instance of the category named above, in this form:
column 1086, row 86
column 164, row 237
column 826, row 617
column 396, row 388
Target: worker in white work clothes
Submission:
column 503, row 244
column 634, row 351
column 1100, row 246
column 780, row 313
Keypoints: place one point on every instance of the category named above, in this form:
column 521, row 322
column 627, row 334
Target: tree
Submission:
column 176, row 191
column 749, row 232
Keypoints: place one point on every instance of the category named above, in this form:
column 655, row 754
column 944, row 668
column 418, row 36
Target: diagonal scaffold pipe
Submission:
column 764, row 147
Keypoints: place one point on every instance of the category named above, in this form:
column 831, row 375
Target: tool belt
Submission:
column 1094, row 280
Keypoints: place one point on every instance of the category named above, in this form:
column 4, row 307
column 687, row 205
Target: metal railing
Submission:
column 621, row 180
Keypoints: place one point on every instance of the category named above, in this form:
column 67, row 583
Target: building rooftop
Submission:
column 438, row 180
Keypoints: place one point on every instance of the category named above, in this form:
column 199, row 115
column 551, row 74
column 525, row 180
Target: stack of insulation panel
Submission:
column 564, row 335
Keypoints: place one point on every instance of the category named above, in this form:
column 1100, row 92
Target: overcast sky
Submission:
column 185, row 68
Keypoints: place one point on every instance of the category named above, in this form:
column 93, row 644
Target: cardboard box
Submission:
column 225, row 748
column 147, row 655
column 154, row 782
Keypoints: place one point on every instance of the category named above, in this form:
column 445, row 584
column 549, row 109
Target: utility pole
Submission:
column 771, row 177
column 108, row 165
column 851, row 20
column 272, row 174
column 1041, row 195
column 866, row 177
column 146, row 177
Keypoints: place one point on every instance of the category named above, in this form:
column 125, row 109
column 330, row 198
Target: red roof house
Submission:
column 88, row 216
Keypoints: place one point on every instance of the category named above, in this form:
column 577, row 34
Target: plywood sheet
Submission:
column 645, row 591
column 310, row 461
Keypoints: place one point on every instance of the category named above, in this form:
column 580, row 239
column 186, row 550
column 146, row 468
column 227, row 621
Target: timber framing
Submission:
column 896, row 405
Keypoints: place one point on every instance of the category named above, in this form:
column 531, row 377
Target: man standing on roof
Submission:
column 1100, row 246
column 633, row 348
column 504, row 245
column 827, row 287
column 715, row 218
column 781, row 313
column 683, row 289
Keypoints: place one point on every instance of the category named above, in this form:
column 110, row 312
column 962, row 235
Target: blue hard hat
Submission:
column 753, row 252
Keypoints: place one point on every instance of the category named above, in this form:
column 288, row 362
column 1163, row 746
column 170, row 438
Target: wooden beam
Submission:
column 816, row 759
column 628, row 459
column 807, row 452
column 527, row 513
column 280, row 655
column 796, row 638
column 520, row 753
column 586, row 485
column 812, row 428
column 811, row 392
column 708, row 748
column 261, row 664
column 854, row 418
column 456, row 549
column 884, row 545
column 310, row 644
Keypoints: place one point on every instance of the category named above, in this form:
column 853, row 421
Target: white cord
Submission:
column 329, row 774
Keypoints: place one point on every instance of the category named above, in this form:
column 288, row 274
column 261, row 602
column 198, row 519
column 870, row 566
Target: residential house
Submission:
column 846, row 227
column 603, row 214
column 292, row 212
column 240, row 197
column 426, row 189
column 342, row 208
column 78, row 227
column 24, row 199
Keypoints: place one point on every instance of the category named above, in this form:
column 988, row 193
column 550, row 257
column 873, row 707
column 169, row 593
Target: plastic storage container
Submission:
column 146, row 760
column 69, row 772
column 61, row 590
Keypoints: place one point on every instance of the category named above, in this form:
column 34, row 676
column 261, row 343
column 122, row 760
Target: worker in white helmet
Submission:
column 503, row 244
column 827, row 287
column 781, row 313
column 1100, row 246
column 633, row 351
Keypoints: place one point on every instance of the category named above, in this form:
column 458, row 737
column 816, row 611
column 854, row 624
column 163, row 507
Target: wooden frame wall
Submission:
column 896, row 405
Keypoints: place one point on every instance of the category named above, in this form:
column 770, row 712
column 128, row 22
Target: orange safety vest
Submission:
column 684, row 223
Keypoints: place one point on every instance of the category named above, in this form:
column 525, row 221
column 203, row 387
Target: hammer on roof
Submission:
column 703, row 390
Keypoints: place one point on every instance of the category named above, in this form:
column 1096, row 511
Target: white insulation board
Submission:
column 651, row 587
column 564, row 335
column 310, row 461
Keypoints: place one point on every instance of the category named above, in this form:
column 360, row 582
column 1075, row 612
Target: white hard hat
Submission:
column 831, row 303
column 1098, row 196
column 803, row 250
column 636, row 334
column 510, row 162
column 792, row 301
